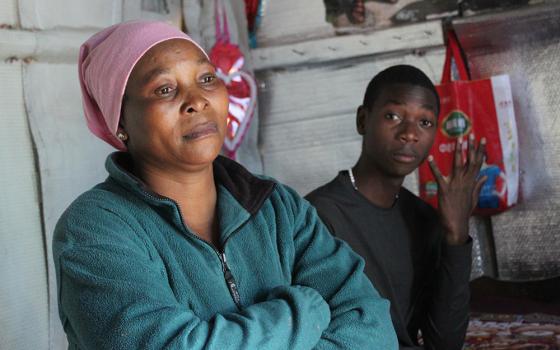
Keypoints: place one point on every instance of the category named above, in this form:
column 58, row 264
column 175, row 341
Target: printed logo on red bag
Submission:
column 431, row 188
column 456, row 124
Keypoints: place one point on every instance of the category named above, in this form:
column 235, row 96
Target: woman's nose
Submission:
column 194, row 103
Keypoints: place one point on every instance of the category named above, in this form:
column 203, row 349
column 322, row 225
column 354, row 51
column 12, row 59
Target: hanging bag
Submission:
column 241, row 85
column 484, row 108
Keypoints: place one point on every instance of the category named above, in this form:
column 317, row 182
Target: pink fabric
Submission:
column 105, row 63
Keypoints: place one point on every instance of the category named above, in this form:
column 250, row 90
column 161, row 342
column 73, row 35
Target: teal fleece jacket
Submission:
column 132, row 275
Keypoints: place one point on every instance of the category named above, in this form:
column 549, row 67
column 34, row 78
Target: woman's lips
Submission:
column 201, row 130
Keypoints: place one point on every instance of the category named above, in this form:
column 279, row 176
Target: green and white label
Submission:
column 456, row 124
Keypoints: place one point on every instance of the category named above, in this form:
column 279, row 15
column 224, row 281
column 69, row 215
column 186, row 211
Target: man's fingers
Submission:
column 474, row 167
column 458, row 155
column 476, row 191
column 435, row 170
column 481, row 151
column 471, row 151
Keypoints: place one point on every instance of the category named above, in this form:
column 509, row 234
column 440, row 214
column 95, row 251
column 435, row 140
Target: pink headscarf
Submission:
column 104, row 65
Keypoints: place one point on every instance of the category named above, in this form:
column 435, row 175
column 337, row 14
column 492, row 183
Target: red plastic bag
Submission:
column 241, row 85
column 484, row 108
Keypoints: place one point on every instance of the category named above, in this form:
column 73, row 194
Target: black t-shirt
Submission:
column 407, row 261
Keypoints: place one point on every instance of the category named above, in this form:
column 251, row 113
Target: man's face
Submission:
column 398, row 129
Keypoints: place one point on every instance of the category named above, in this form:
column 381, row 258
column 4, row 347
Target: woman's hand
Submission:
column 458, row 192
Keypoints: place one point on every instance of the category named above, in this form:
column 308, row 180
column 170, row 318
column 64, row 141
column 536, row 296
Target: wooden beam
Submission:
column 48, row 46
column 404, row 38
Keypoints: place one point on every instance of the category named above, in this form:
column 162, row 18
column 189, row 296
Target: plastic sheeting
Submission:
column 8, row 12
column 525, row 44
column 23, row 287
column 70, row 158
column 41, row 14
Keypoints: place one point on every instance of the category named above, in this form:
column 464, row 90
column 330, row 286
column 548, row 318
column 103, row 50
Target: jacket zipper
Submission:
column 228, row 276
column 230, row 281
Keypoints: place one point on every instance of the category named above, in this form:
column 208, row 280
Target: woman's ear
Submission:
column 122, row 121
column 121, row 134
column 121, row 129
column 361, row 115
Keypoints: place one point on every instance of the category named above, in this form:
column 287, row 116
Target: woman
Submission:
column 182, row 248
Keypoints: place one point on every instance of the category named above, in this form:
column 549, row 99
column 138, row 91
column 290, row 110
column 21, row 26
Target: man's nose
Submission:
column 408, row 132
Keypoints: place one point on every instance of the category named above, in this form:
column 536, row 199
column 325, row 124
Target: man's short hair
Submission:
column 399, row 74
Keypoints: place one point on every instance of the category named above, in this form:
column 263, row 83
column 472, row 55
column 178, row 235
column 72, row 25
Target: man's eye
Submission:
column 426, row 123
column 392, row 116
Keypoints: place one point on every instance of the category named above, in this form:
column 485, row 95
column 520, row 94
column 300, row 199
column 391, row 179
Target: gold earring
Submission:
column 122, row 136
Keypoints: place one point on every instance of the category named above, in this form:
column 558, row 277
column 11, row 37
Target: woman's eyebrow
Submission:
column 203, row 60
column 154, row 73
column 160, row 71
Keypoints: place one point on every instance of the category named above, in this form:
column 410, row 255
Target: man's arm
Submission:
column 447, row 318
column 448, row 313
column 360, row 318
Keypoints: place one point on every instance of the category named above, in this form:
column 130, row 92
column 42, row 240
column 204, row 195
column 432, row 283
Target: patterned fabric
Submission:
column 501, row 332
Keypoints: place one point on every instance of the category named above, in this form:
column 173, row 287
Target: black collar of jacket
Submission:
column 249, row 190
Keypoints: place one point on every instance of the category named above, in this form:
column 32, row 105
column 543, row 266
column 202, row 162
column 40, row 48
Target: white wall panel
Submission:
column 71, row 159
column 405, row 38
column 169, row 11
column 45, row 46
column 292, row 21
column 319, row 91
column 8, row 13
column 41, row 14
column 23, row 280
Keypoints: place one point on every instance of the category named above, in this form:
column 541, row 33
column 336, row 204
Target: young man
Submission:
column 416, row 257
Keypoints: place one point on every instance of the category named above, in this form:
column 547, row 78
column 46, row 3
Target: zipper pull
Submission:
column 230, row 281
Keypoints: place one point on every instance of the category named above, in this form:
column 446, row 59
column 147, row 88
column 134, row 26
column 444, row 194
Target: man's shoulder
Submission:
column 331, row 192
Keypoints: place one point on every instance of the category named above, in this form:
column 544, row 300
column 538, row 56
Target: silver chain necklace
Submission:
column 353, row 181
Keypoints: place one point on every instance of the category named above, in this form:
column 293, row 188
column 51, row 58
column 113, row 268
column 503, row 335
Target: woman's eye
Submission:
column 164, row 91
column 207, row 79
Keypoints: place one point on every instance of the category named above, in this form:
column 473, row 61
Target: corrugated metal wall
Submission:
column 526, row 45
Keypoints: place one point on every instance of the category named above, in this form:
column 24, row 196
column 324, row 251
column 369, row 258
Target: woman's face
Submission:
column 175, row 108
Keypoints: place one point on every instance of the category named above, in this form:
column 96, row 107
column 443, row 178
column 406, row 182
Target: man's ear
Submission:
column 361, row 115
